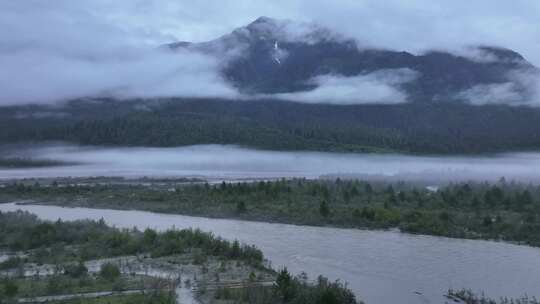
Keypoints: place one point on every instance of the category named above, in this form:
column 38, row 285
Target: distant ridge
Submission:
column 277, row 56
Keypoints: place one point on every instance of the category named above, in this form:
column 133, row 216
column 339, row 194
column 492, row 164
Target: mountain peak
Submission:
column 281, row 56
column 284, row 30
column 266, row 28
column 263, row 19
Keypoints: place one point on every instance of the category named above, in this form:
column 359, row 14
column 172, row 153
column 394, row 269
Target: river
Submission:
column 380, row 266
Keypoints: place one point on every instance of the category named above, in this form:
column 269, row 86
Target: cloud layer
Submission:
column 377, row 87
column 61, row 50
column 43, row 77
column 412, row 25
column 524, row 89
column 231, row 162
column 52, row 51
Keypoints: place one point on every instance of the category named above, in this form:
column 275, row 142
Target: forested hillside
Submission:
column 279, row 125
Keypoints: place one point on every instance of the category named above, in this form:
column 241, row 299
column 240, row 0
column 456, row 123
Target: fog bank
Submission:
column 377, row 87
column 231, row 162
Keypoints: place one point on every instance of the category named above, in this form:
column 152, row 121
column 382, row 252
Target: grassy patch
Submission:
column 121, row 299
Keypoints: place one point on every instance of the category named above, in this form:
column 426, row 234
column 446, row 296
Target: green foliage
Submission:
column 23, row 231
column 284, row 285
column 109, row 272
column 442, row 128
column 61, row 284
column 149, row 298
column 8, row 288
column 468, row 297
column 55, row 285
column 241, row 207
column 149, row 238
column 76, row 270
column 324, row 210
column 290, row 290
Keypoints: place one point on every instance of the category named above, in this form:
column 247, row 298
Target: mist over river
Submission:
column 232, row 162
column 380, row 266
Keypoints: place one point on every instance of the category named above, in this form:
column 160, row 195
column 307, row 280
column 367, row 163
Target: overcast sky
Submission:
column 60, row 49
column 401, row 24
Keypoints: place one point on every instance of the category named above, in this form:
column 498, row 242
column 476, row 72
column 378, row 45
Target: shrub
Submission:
column 109, row 272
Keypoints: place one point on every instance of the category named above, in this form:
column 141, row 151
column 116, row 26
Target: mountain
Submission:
column 271, row 56
column 278, row 56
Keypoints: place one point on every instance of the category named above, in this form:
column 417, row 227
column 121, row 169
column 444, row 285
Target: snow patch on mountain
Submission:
column 279, row 54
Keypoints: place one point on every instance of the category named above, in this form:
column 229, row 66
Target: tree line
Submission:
column 50, row 241
column 277, row 125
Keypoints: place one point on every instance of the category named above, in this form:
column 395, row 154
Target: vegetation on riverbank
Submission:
column 83, row 282
column 84, row 240
column 468, row 297
column 121, row 299
column 55, row 252
column 289, row 289
column 502, row 211
column 84, row 287
column 12, row 163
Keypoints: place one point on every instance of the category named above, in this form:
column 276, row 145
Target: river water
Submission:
column 380, row 266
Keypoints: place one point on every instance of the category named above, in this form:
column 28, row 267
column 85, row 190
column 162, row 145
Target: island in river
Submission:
column 497, row 211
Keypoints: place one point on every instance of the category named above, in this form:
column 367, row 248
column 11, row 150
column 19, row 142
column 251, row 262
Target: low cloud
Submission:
column 474, row 53
column 217, row 162
column 182, row 73
column 61, row 50
column 522, row 89
column 378, row 87
column 33, row 76
column 503, row 93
